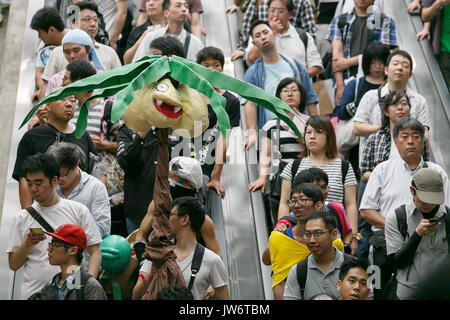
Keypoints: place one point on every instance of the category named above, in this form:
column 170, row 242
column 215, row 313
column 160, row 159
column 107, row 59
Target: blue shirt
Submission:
column 256, row 75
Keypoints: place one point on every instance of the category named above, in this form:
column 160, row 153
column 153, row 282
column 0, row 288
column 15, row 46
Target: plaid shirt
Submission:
column 303, row 17
column 378, row 148
column 384, row 31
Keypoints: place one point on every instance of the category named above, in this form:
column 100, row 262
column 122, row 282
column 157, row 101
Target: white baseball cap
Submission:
column 189, row 169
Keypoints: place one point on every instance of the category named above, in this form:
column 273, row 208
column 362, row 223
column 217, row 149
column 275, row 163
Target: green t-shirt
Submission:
column 445, row 29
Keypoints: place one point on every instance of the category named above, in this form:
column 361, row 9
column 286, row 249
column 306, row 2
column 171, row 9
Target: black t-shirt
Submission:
column 40, row 138
column 361, row 37
column 206, row 151
column 366, row 86
column 136, row 33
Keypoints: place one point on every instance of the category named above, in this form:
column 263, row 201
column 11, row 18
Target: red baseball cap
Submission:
column 72, row 234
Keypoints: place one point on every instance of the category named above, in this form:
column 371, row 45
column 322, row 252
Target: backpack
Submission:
column 302, row 272
column 80, row 291
column 390, row 290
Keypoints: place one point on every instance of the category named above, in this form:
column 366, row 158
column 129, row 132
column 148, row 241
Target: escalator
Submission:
column 239, row 218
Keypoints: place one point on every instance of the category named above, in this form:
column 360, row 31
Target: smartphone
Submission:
column 36, row 231
column 436, row 220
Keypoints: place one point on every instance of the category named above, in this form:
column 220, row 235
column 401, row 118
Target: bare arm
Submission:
column 266, row 256
column 251, row 122
column 363, row 129
column 222, row 293
column 119, row 22
column 221, row 148
column 283, row 209
column 429, row 13
column 352, row 215
column 18, row 258
column 253, row 55
column 312, row 109
column 95, row 259
column 196, row 28
column 314, row 70
column 373, row 217
column 264, row 164
column 209, row 235
column 129, row 54
column 24, row 194
column 146, row 224
column 338, row 53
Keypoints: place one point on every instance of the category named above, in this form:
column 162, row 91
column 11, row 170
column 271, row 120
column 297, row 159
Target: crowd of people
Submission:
column 356, row 190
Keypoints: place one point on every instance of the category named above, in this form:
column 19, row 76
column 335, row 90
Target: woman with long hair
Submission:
column 321, row 152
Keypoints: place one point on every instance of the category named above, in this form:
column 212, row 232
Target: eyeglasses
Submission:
column 279, row 10
column 294, row 202
column 315, row 234
column 55, row 244
column 89, row 19
column 291, row 91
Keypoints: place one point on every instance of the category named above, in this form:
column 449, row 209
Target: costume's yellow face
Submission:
column 161, row 105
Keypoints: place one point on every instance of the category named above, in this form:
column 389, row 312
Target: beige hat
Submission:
column 429, row 186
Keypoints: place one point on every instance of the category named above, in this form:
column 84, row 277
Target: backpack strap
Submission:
column 295, row 165
column 344, row 170
column 304, row 37
column 80, row 291
column 36, row 216
column 447, row 227
column 186, row 42
column 302, row 274
column 400, row 214
column 196, row 263
column 342, row 23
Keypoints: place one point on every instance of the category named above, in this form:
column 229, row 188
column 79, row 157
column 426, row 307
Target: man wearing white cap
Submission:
column 420, row 242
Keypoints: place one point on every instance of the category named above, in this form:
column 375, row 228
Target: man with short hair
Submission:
column 290, row 41
column 175, row 11
column 367, row 119
column 352, row 283
column 76, row 45
column 28, row 250
column 425, row 245
column 322, row 267
column 50, row 28
column 79, row 186
column 66, row 251
column 58, row 128
column 266, row 74
column 387, row 189
column 350, row 35
column 303, row 17
column 186, row 219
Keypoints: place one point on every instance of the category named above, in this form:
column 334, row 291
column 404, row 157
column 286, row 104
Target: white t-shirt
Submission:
column 195, row 45
column 212, row 272
column 37, row 271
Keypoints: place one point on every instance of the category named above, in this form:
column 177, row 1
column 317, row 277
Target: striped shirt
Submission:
column 334, row 172
column 94, row 118
column 289, row 147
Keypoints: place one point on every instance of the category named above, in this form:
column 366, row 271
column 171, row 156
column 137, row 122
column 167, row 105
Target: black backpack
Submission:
column 344, row 168
column 302, row 272
column 196, row 263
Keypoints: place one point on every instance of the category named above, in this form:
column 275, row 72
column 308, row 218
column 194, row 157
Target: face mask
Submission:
column 177, row 190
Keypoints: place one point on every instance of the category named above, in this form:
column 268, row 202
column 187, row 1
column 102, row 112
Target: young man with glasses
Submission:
column 287, row 248
column 72, row 283
column 28, row 250
column 323, row 265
